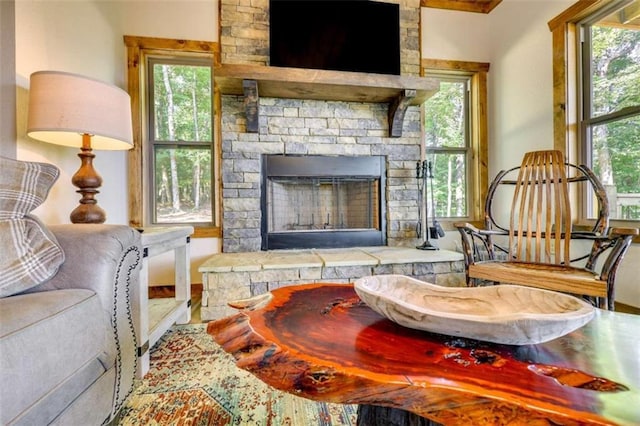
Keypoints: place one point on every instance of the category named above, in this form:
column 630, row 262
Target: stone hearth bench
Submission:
column 234, row 276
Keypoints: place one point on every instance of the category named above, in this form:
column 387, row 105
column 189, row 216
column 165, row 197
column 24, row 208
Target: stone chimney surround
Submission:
column 271, row 110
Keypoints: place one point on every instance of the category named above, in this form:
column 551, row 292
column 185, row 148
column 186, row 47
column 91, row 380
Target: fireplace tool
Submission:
column 422, row 175
column 435, row 230
column 424, row 171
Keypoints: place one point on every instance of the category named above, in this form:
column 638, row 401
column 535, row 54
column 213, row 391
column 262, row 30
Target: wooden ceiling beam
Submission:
column 477, row 6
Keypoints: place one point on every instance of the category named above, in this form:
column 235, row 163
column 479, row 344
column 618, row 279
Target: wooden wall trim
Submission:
column 478, row 6
column 449, row 65
column 576, row 12
column 155, row 43
column 135, row 165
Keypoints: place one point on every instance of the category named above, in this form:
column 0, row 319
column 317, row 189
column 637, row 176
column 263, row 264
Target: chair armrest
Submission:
column 106, row 259
column 478, row 244
column 468, row 227
column 625, row 231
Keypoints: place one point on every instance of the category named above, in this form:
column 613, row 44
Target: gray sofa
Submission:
column 67, row 346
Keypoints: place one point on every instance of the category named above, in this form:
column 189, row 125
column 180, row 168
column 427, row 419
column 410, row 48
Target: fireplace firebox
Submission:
column 322, row 201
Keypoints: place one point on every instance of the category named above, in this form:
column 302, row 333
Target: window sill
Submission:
column 207, row 232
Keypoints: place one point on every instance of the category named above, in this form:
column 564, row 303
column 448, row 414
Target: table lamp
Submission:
column 73, row 110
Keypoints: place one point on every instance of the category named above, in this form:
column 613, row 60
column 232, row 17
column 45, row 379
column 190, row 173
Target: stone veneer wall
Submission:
column 315, row 128
column 290, row 126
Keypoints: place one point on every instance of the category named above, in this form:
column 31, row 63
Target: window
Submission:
column 455, row 138
column 610, row 106
column 173, row 166
column 597, row 98
column 180, row 121
column 446, row 128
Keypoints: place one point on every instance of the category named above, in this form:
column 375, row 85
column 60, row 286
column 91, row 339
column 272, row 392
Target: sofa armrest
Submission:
column 107, row 260
column 93, row 257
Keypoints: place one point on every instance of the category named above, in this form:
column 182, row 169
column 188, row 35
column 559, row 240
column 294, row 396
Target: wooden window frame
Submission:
column 566, row 84
column 138, row 49
column 478, row 173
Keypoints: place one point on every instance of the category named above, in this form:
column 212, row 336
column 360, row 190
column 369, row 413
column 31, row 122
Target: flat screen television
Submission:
column 348, row 35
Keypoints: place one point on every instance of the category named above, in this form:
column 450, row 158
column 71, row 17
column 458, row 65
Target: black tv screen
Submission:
column 349, row 35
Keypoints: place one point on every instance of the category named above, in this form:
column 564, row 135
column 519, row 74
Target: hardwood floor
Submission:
column 627, row 309
column 157, row 292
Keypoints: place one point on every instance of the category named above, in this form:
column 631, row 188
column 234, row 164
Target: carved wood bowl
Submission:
column 507, row 314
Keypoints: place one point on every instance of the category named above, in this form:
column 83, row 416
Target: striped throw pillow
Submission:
column 30, row 253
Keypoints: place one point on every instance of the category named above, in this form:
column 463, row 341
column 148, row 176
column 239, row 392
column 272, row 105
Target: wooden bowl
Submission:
column 507, row 314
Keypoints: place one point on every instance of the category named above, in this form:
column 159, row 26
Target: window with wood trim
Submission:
column 174, row 163
column 597, row 98
column 455, row 135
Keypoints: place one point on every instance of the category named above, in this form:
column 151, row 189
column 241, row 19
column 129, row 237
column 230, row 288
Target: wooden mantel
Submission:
column 253, row 81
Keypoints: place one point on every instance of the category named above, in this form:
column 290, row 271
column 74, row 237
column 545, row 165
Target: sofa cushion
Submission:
column 30, row 253
column 54, row 345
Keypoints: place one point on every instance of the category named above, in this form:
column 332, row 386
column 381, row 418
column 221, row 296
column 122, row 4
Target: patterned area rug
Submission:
column 192, row 381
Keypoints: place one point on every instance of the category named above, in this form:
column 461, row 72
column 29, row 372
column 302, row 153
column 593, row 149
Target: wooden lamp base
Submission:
column 88, row 181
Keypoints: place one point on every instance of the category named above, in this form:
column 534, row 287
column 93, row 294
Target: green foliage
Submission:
column 183, row 132
column 616, row 85
column 615, row 68
column 444, row 116
column 445, row 135
column 182, row 101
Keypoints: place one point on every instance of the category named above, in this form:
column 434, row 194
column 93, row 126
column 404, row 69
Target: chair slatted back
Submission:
column 540, row 224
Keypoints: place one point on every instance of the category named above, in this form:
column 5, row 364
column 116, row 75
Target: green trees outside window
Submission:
column 611, row 108
column 447, row 146
column 181, row 135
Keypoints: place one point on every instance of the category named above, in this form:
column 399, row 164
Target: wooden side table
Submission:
column 152, row 318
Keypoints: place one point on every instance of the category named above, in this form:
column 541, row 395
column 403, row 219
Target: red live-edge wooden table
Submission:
column 321, row 342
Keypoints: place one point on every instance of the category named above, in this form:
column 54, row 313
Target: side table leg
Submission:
column 375, row 415
column 183, row 280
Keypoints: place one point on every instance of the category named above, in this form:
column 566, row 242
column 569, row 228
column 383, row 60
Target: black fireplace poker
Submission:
column 424, row 172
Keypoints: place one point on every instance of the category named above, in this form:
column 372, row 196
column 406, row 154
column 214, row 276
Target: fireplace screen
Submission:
column 315, row 201
column 322, row 204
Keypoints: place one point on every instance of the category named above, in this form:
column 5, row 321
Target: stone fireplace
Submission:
column 309, row 124
column 270, row 113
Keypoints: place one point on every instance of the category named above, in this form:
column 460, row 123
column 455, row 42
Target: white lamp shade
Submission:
column 64, row 106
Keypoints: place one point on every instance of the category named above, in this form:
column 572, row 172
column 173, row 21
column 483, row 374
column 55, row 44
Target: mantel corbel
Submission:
column 397, row 109
column 251, row 102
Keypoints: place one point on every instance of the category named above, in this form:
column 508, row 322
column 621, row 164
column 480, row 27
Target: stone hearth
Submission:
column 235, row 276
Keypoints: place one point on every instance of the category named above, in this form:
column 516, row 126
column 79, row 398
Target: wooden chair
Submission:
column 535, row 249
